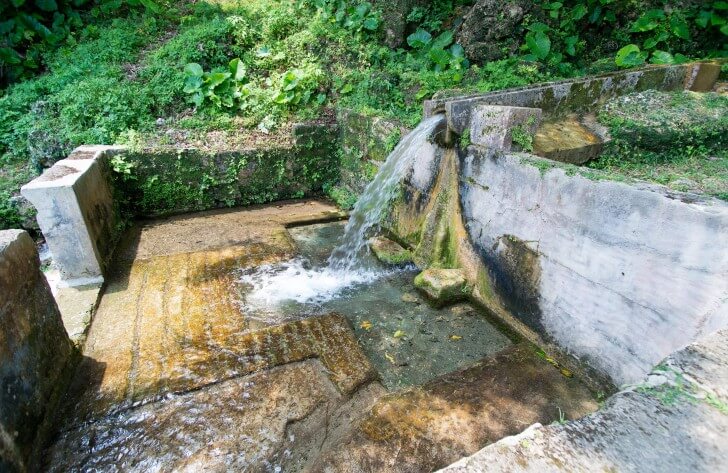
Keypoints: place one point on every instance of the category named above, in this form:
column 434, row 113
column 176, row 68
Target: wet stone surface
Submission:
column 181, row 373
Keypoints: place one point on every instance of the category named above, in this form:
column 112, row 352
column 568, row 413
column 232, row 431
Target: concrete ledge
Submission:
column 580, row 95
column 76, row 213
column 675, row 420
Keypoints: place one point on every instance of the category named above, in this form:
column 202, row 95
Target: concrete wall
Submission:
column 577, row 95
column 34, row 349
column 77, row 213
column 616, row 274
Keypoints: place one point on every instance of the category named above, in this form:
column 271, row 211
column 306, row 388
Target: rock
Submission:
column 410, row 297
column 568, row 141
column 389, row 252
column 442, row 286
column 394, row 19
column 504, row 128
column 26, row 211
column 34, row 349
column 654, row 428
column 493, row 29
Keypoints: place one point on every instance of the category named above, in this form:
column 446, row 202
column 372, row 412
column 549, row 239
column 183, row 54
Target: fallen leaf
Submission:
column 390, row 358
column 366, row 325
column 455, row 337
column 399, row 334
column 566, row 373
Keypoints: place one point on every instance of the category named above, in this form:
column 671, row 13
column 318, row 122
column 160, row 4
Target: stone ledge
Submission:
column 676, row 420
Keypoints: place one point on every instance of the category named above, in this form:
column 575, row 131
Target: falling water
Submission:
column 369, row 209
column 298, row 281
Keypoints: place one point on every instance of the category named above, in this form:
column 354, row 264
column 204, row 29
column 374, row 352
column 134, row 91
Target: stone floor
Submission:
column 175, row 378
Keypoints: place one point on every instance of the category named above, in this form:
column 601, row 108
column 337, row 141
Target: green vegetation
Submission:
column 676, row 139
column 135, row 72
column 678, row 388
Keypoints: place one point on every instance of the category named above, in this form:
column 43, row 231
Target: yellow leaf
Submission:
column 455, row 337
column 399, row 334
column 566, row 373
column 390, row 358
column 366, row 325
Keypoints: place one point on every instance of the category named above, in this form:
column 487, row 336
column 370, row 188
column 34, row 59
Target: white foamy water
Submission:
column 296, row 281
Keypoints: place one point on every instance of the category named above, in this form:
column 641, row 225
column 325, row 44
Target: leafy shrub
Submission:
column 223, row 88
column 30, row 28
column 438, row 53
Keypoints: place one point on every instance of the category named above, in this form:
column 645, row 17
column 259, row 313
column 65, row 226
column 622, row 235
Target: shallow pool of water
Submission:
column 409, row 341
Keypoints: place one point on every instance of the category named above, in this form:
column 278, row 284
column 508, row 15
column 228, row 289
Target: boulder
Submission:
column 494, row 29
column 389, row 252
column 442, row 286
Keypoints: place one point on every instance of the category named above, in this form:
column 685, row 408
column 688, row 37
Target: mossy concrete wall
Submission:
column 170, row 181
column 574, row 96
column 34, row 350
column 364, row 144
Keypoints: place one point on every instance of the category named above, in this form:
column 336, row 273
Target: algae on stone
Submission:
column 389, row 252
column 442, row 286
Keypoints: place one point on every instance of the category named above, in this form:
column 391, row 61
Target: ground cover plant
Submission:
column 677, row 139
column 185, row 73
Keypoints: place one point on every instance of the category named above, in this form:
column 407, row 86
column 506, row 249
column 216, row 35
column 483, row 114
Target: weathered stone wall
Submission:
column 619, row 275
column 572, row 96
column 77, row 213
column 34, row 349
column 676, row 421
column 364, row 142
column 170, row 181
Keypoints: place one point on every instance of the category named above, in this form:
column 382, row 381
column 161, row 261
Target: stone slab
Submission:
column 568, row 141
column 497, row 127
column 34, row 349
column 675, row 420
column 442, row 286
column 389, row 252
column 77, row 306
column 702, row 76
column 429, row 427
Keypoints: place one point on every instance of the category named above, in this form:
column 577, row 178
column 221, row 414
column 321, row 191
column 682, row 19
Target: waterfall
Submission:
column 297, row 281
column 374, row 201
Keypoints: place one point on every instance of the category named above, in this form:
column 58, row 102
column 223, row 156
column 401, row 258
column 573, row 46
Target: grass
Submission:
column 676, row 139
column 114, row 80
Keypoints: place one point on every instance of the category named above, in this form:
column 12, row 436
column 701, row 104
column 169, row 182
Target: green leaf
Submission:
column 630, row 56
column 539, row 44
column 724, row 29
column 716, row 19
column 648, row 21
column 720, row 5
column 47, row 5
column 570, row 43
column 680, row 59
column 150, row 5
column 579, row 12
column 703, row 18
column 419, row 39
column 237, row 69
column 192, row 84
column 197, row 98
column 193, row 69
column 662, row 57
column 17, row 3
column 347, row 89
column 443, row 41
column 7, row 26
column 595, row 14
column 371, row 23
column 538, row 26
column 439, row 57
column 217, row 78
column 679, row 27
